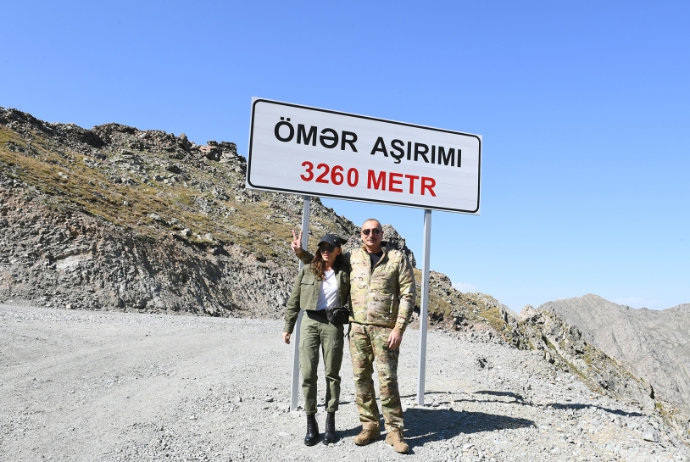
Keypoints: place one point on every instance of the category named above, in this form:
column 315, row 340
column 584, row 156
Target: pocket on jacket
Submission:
column 382, row 305
column 306, row 289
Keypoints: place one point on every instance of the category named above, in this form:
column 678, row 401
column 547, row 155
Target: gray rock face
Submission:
column 654, row 345
column 72, row 260
column 118, row 218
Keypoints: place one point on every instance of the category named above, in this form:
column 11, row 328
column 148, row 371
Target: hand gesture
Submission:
column 296, row 243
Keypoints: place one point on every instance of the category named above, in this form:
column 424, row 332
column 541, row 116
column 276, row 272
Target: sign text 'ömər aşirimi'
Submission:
column 329, row 138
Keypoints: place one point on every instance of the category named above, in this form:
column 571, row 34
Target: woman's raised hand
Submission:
column 296, row 243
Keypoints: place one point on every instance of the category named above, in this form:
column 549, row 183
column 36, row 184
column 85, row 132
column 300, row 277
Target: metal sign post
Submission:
column 424, row 309
column 294, row 396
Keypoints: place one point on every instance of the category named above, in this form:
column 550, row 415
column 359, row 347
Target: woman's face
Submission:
column 328, row 252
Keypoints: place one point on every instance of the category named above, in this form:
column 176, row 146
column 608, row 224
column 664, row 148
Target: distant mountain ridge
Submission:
column 653, row 344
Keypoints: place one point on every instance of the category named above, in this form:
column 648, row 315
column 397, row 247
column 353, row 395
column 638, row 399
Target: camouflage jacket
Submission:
column 384, row 296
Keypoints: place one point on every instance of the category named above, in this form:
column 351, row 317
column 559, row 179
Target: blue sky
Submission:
column 584, row 109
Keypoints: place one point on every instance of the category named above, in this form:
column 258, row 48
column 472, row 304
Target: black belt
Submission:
column 317, row 314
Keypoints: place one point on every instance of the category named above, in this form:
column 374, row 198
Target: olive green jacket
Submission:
column 382, row 297
column 305, row 292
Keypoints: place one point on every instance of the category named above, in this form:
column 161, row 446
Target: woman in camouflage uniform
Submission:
column 323, row 284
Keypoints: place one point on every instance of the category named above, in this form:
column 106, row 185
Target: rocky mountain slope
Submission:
column 481, row 318
column 116, row 218
column 652, row 344
column 120, row 218
column 142, row 220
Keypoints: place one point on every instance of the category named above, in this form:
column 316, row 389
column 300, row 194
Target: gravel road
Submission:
column 106, row 386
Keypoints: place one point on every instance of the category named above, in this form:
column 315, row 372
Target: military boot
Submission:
column 312, row 431
column 367, row 435
column 395, row 439
column 329, row 437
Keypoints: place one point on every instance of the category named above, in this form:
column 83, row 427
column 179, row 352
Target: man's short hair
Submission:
column 373, row 219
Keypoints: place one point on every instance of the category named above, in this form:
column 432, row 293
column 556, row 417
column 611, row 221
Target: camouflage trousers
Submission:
column 369, row 343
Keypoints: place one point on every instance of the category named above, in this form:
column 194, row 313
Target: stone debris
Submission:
column 60, row 405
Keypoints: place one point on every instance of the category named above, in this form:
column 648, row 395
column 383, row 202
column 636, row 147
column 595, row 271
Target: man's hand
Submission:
column 286, row 337
column 296, row 243
column 394, row 340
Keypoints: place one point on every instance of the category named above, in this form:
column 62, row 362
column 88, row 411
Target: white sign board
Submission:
column 318, row 152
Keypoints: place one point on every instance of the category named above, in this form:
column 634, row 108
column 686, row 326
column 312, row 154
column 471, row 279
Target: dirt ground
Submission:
column 106, row 386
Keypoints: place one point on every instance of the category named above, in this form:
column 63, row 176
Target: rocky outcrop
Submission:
column 124, row 219
column 558, row 340
column 564, row 345
column 72, row 260
column 653, row 344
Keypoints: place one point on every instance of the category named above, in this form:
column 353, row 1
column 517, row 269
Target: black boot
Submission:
column 312, row 431
column 329, row 436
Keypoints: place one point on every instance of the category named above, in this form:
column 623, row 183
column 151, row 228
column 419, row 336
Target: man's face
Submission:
column 372, row 234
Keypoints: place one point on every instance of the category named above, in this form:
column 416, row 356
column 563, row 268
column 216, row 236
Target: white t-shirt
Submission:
column 328, row 295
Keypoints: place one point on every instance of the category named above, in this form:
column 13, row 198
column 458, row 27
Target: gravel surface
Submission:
column 107, row 386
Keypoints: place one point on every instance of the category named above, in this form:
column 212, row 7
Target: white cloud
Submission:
column 465, row 287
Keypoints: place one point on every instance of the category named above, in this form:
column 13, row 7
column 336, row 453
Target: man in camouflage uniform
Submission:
column 382, row 293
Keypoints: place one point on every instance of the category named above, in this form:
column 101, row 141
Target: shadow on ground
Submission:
column 506, row 394
column 519, row 399
column 423, row 425
column 578, row 406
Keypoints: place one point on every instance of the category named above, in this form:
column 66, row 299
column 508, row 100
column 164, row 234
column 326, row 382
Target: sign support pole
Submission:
column 424, row 309
column 294, row 395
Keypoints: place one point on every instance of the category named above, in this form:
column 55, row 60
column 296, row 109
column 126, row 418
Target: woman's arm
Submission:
column 293, row 305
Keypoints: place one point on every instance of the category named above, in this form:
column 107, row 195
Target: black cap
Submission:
column 335, row 241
